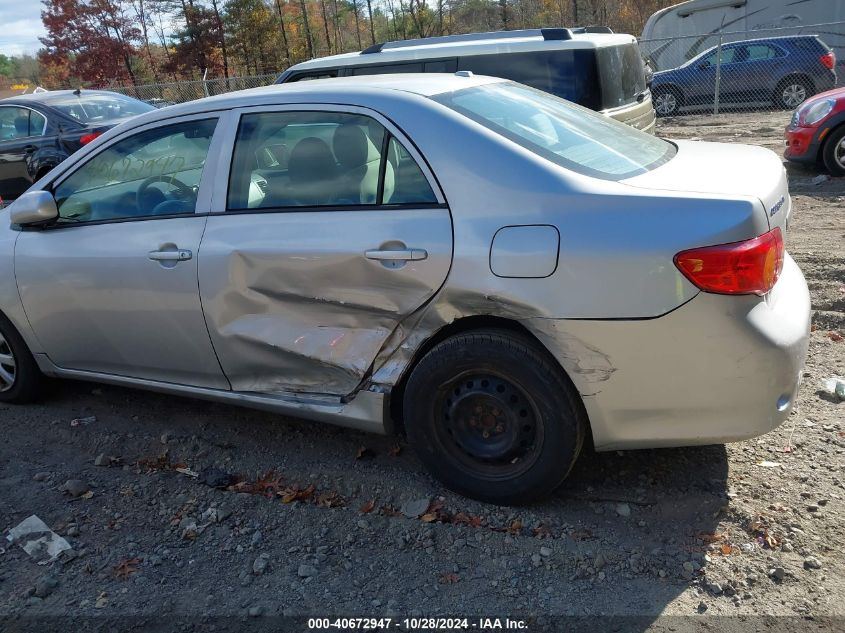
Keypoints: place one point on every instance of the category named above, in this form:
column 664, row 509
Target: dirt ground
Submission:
column 751, row 529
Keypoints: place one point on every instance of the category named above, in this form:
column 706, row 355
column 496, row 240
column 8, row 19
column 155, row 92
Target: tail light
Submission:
column 738, row 268
column 828, row 60
column 87, row 138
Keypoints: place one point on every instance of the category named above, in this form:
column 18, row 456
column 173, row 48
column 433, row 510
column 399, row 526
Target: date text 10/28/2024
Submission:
column 417, row 624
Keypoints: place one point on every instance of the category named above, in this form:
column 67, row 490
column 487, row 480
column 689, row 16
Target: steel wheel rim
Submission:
column 478, row 403
column 8, row 365
column 794, row 95
column 839, row 153
column 666, row 103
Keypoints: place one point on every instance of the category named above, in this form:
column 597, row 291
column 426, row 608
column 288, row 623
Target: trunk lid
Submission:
column 728, row 170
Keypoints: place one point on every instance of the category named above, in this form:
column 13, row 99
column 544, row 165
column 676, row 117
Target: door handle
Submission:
column 181, row 255
column 29, row 149
column 405, row 255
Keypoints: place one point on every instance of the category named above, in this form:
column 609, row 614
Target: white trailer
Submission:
column 678, row 33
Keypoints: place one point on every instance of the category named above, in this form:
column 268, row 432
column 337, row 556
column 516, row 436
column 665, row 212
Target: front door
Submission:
column 329, row 236
column 111, row 287
column 21, row 134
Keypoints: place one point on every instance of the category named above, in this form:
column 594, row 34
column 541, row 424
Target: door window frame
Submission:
column 205, row 184
column 31, row 110
column 220, row 191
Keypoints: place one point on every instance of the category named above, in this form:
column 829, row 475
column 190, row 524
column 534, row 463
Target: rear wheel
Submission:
column 792, row 92
column 667, row 101
column 833, row 152
column 493, row 418
column 20, row 377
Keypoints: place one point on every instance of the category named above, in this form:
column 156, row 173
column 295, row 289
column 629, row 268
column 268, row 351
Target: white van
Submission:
column 676, row 34
column 591, row 66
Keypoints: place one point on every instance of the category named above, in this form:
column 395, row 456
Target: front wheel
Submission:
column 493, row 418
column 19, row 375
column 833, row 152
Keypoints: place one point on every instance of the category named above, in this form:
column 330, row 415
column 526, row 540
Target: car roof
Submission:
column 47, row 96
column 528, row 40
column 361, row 91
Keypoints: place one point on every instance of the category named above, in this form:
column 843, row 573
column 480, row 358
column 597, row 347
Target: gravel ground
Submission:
column 750, row 529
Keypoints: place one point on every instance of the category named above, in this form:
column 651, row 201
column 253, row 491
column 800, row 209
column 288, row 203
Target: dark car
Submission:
column 781, row 70
column 40, row 130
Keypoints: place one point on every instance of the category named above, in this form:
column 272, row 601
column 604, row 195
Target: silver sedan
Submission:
column 497, row 273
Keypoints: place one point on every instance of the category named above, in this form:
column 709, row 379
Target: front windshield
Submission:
column 562, row 132
column 91, row 108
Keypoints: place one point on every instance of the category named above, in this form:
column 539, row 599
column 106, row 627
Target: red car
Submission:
column 816, row 133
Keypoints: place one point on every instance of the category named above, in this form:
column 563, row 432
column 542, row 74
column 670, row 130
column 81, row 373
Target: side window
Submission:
column 409, row 184
column 759, row 52
column 327, row 74
column 441, row 66
column 318, row 159
column 37, row 123
column 387, row 69
column 153, row 173
column 15, row 123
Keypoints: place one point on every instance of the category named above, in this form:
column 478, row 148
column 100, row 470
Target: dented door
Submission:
column 302, row 298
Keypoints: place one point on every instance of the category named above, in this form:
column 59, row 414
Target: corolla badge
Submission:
column 777, row 206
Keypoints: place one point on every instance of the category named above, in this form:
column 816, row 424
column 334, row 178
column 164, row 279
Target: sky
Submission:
column 20, row 26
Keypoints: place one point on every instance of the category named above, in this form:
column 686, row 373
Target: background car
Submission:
column 40, row 130
column 496, row 271
column 779, row 70
column 816, row 133
column 591, row 66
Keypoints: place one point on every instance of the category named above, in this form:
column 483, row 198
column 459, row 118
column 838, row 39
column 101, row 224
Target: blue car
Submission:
column 781, row 70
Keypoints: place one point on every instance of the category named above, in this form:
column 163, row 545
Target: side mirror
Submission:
column 34, row 207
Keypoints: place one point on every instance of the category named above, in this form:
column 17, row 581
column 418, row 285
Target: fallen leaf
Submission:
column 186, row 471
column 331, row 500
column 463, row 519
column 368, row 507
column 449, row 579
column 428, row 517
column 364, row 453
column 395, row 450
column 390, row 511
column 126, row 568
column 726, row 549
column 289, row 495
column 835, row 336
column 541, row 531
column 88, row 494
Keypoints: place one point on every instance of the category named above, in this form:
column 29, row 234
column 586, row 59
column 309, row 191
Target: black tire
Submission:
column 833, row 152
column 19, row 364
column 788, row 93
column 667, row 101
column 493, row 417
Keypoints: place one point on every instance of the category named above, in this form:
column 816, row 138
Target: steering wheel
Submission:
column 183, row 191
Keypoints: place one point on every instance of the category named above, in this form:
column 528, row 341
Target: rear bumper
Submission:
column 717, row 369
column 638, row 115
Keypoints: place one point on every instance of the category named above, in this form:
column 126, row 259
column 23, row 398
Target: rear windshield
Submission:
column 566, row 134
column 92, row 108
column 622, row 73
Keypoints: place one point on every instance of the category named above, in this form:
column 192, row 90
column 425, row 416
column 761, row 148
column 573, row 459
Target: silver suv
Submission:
column 590, row 66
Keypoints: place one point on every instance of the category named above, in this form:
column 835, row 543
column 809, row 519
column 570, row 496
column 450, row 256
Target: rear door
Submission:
column 329, row 231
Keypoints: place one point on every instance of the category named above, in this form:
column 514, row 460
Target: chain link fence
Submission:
column 774, row 68
column 163, row 94
column 749, row 70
